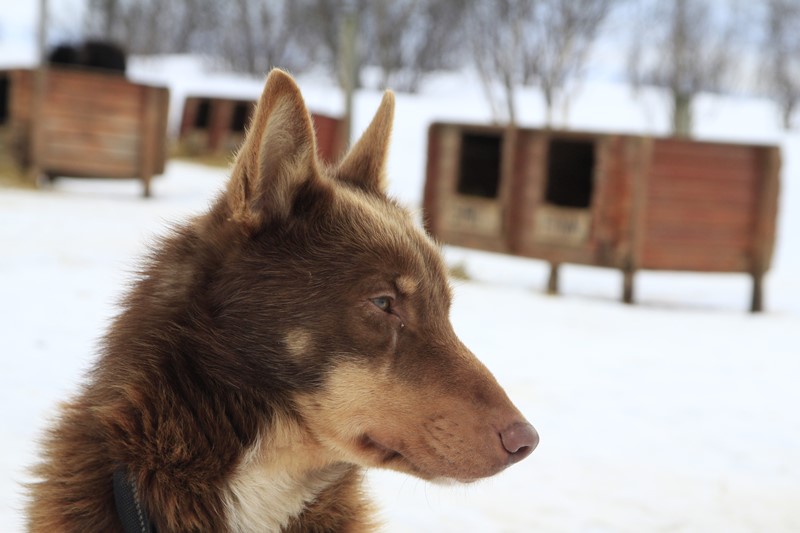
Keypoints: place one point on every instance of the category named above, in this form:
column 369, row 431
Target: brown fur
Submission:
column 271, row 349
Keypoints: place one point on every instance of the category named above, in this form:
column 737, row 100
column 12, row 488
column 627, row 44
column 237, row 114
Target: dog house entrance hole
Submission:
column 241, row 112
column 203, row 116
column 4, row 96
column 479, row 165
column 570, row 172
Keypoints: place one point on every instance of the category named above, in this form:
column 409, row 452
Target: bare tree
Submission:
column 533, row 42
column 405, row 38
column 410, row 38
column 500, row 36
column 149, row 26
column 102, row 19
column 390, row 20
column 685, row 47
column 262, row 34
column 252, row 35
column 781, row 72
column 565, row 33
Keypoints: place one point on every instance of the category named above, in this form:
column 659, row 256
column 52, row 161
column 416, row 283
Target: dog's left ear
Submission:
column 365, row 164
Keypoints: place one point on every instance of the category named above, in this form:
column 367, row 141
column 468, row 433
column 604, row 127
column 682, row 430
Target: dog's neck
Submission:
column 277, row 477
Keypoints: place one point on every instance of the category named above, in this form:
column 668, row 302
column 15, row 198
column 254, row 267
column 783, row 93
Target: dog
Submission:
column 270, row 350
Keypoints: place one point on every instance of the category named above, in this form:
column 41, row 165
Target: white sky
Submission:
column 19, row 20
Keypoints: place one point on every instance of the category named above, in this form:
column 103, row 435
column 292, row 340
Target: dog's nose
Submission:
column 519, row 440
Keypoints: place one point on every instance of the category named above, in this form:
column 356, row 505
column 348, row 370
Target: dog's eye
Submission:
column 384, row 303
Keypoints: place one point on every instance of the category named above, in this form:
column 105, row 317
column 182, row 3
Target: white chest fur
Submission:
column 276, row 479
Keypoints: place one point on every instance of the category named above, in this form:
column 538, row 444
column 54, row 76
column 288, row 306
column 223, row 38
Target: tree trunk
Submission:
column 348, row 70
column 548, row 107
column 788, row 111
column 110, row 8
column 682, row 115
column 511, row 106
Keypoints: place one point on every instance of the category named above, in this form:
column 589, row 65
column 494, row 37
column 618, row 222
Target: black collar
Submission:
column 129, row 509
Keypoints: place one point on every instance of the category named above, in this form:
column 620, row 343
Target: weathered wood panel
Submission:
column 655, row 203
column 330, row 144
column 92, row 124
column 701, row 195
column 431, row 197
column 466, row 219
column 216, row 125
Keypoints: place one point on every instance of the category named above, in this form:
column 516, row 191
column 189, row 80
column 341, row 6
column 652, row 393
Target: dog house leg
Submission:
column 627, row 286
column 757, row 303
column 552, row 280
column 146, row 182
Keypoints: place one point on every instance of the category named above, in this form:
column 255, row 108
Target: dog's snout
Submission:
column 519, row 440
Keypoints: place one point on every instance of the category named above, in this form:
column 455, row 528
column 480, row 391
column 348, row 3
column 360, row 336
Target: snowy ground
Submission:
column 678, row 414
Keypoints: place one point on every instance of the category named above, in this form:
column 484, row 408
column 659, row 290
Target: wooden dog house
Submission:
column 620, row 201
column 211, row 125
column 90, row 124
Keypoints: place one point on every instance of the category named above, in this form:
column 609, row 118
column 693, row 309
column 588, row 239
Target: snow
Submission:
column 679, row 413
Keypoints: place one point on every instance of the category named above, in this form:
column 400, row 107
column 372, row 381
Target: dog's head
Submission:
column 334, row 295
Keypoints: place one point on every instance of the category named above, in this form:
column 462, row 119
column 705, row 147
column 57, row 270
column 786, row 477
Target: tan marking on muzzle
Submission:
column 378, row 420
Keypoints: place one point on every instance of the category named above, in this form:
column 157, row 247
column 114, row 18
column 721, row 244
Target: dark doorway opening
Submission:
column 4, row 96
column 479, row 165
column 203, row 115
column 241, row 113
column 570, row 173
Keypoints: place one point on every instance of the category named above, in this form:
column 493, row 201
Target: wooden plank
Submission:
column 116, row 153
column 329, row 148
column 146, row 160
column 675, row 161
column 468, row 239
column 90, row 145
column 20, row 96
column 88, row 137
column 766, row 210
column 20, row 107
column 95, row 95
column 95, row 100
column 562, row 225
column 701, row 258
column 700, row 216
column 219, row 122
column 630, row 169
column 606, row 169
column 105, row 167
column 640, row 183
column 528, row 195
column 85, row 81
column 717, row 175
column 68, row 126
column 563, row 254
column 92, row 123
column 430, row 203
column 160, row 135
column 673, row 148
column 701, row 208
column 87, row 111
column 700, row 193
column 712, row 237
column 188, row 115
column 37, row 148
column 478, row 216
column 509, row 153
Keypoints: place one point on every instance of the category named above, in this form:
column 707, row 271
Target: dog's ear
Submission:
column 365, row 164
column 277, row 156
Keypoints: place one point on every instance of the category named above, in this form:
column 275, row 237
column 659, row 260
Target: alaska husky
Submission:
column 272, row 349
